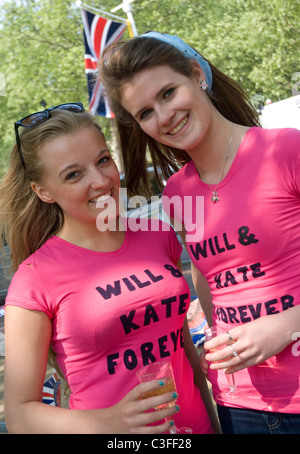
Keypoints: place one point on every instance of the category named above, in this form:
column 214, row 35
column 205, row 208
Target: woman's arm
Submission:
column 199, row 378
column 203, row 293
column 200, row 284
column 27, row 337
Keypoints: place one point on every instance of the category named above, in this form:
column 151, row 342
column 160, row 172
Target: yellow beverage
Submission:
column 216, row 349
column 169, row 386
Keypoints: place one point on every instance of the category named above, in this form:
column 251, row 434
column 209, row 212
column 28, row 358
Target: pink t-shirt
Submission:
column 112, row 313
column 250, row 254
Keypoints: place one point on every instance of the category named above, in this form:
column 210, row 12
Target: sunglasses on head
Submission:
column 37, row 118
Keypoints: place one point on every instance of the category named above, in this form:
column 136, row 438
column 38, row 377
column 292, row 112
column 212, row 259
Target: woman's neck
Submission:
column 89, row 237
column 217, row 152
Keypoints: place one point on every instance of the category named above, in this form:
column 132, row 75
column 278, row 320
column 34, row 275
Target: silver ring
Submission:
column 229, row 336
column 234, row 353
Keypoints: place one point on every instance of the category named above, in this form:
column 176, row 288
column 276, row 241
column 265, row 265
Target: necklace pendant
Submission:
column 215, row 198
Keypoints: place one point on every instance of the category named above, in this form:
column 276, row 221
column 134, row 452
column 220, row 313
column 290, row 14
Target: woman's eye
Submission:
column 104, row 160
column 72, row 175
column 145, row 114
column 168, row 93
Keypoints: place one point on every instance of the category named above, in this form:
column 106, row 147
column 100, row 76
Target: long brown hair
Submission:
column 118, row 64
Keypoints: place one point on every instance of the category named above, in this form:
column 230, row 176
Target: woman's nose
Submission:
column 165, row 115
column 99, row 180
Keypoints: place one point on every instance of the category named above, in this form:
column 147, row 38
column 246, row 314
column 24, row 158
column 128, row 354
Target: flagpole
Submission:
column 79, row 4
column 127, row 8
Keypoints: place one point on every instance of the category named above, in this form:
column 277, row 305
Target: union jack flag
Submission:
column 98, row 33
column 52, row 391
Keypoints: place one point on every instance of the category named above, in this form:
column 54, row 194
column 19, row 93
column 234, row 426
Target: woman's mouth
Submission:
column 179, row 127
column 101, row 198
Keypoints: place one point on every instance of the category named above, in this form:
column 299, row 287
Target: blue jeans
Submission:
column 245, row 421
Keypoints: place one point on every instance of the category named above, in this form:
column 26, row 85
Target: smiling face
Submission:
column 169, row 107
column 78, row 172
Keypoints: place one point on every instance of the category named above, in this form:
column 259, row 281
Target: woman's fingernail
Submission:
column 174, row 395
column 161, row 383
column 171, row 423
column 177, row 408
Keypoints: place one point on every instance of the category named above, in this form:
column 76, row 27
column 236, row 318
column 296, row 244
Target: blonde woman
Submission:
column 107, row 301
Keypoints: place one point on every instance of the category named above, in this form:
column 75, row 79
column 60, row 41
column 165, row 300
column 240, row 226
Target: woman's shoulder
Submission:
column 271, row 134
column 185, row 172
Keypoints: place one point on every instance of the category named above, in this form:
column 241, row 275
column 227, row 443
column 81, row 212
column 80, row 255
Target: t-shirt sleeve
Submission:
column 28, row 291
column 174, row 245
column 166, row 200
column 288, row 159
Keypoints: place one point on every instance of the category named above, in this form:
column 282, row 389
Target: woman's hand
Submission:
column 254, row 343
column 132, row 416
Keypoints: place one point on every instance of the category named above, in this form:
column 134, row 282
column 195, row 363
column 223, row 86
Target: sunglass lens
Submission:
column 34, row 119
column 39, row 117
column 71, row 107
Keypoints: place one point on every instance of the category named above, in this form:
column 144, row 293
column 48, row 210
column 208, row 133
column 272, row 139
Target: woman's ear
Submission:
column 42, row 193
column 197, row 73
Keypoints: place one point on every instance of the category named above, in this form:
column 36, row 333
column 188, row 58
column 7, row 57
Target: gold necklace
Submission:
column 215, row 198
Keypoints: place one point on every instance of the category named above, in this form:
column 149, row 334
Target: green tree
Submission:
column 41, row 48
column 42, row 59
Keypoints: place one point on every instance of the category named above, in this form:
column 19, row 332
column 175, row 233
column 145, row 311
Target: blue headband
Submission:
column 188, row 51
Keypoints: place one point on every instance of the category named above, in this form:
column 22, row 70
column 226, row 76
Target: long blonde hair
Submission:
column 25, row 221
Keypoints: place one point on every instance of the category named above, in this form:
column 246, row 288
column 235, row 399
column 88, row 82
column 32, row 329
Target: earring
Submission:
column 203, row 85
